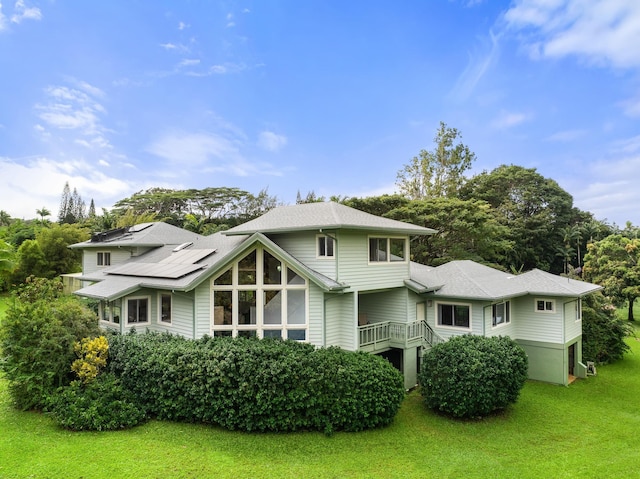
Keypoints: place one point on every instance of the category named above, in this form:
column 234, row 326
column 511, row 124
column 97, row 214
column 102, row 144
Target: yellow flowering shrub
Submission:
column 92, row 357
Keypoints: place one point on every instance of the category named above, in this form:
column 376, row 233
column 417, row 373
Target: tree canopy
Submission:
column 614, row 263
column 533, row 208
column 439, row 172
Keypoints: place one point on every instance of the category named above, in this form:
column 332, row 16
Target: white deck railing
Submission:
column 387, row 332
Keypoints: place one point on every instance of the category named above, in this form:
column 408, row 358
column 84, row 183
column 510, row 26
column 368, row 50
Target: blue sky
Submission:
column 330, row 96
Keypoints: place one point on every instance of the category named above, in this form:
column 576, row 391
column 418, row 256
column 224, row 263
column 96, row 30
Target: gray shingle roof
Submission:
column 470, row 280
column 146, row 234
column 109, row 284
column 323, row 216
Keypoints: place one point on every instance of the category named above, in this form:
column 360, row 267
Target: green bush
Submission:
column 472, row 376
column 256, row 385
column 603, row 333
column 100, row 405
column 37, row 337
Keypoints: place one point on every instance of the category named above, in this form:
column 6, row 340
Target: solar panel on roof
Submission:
column 188, row 256
column 156, row 270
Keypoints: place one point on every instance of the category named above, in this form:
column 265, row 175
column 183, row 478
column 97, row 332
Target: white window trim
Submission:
column 260, row 287
column 160, row 320
column 101, row 264
column 578, row 310
column 545, row 311
column 504, row 323
column 405, row 260
column 126, row 307
column 453, row 303
column 325, row 256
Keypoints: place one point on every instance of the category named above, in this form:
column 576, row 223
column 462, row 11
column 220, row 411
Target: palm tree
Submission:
column 5, row 219
column 43, row 212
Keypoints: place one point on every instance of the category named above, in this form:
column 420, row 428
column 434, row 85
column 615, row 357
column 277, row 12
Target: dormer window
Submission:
column 326, row 246
column 104, row 258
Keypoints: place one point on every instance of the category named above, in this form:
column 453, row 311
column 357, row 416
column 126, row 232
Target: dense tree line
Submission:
column 511, row 217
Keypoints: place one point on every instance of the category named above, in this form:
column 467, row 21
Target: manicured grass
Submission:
column 587, row 430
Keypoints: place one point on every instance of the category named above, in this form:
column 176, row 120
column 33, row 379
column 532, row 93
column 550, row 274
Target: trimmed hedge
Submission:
column 256, row 385
column 472, row 376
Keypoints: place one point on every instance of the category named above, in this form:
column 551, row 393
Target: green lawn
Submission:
column 590, row 429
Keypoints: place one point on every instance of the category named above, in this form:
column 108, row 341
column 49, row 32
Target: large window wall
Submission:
column 259, row 295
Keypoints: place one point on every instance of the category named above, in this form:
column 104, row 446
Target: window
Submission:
column 165, row 308
column 382, row 250
column 454, row 315
column 326, row 246
column 501, row 313
column 260, row 295
column 545, row 306
column 578, row 309
column 110, row 311
column 104, row 258
column 137, row 310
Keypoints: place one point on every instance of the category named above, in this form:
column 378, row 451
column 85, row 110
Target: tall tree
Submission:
column 65, row 204
column 43, row 213
column 614, row 263
column 439, row 172
column 532, row 207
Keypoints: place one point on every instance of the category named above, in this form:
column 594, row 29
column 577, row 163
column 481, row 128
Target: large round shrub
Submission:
column 256, row 385
column 100, row 405
column 472, row 376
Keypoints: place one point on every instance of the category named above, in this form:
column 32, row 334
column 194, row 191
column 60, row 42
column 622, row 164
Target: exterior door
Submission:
column 572, row 359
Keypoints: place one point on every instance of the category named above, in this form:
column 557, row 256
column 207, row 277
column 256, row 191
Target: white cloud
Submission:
column 188, row 62
column 508, row 119
column 600, row 32
column 195, row 149
column 271, row 141
column 22, row 12
column 30, row 183
column 77, row 111
column 631, row 107
column 3, row 19
column 567, row 135
column 182, row 25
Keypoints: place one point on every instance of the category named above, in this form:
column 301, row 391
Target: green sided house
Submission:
column 329, row 275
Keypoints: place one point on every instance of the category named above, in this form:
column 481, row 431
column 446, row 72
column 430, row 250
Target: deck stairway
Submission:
column 381, row 336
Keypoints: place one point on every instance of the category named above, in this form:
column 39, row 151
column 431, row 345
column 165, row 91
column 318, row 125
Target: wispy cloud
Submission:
column 177, row 47
column 567, row 135
column 230, row 22
column 3, row 19
column 600, row 32
column 507, row 119
column 182, row 25
column 271, row 141
column 479, row 63
column 68, row 108
column 22, row 12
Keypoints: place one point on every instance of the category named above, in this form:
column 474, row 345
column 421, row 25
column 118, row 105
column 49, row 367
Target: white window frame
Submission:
column 578, row 310
column 388, row 259
column 161, row 320
column 546, row 302
column 260, row 287
column 103, row 258
column 326, row 239
column 507, row 312
column 453, row 303
column 105, row 311
column 130, row 298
